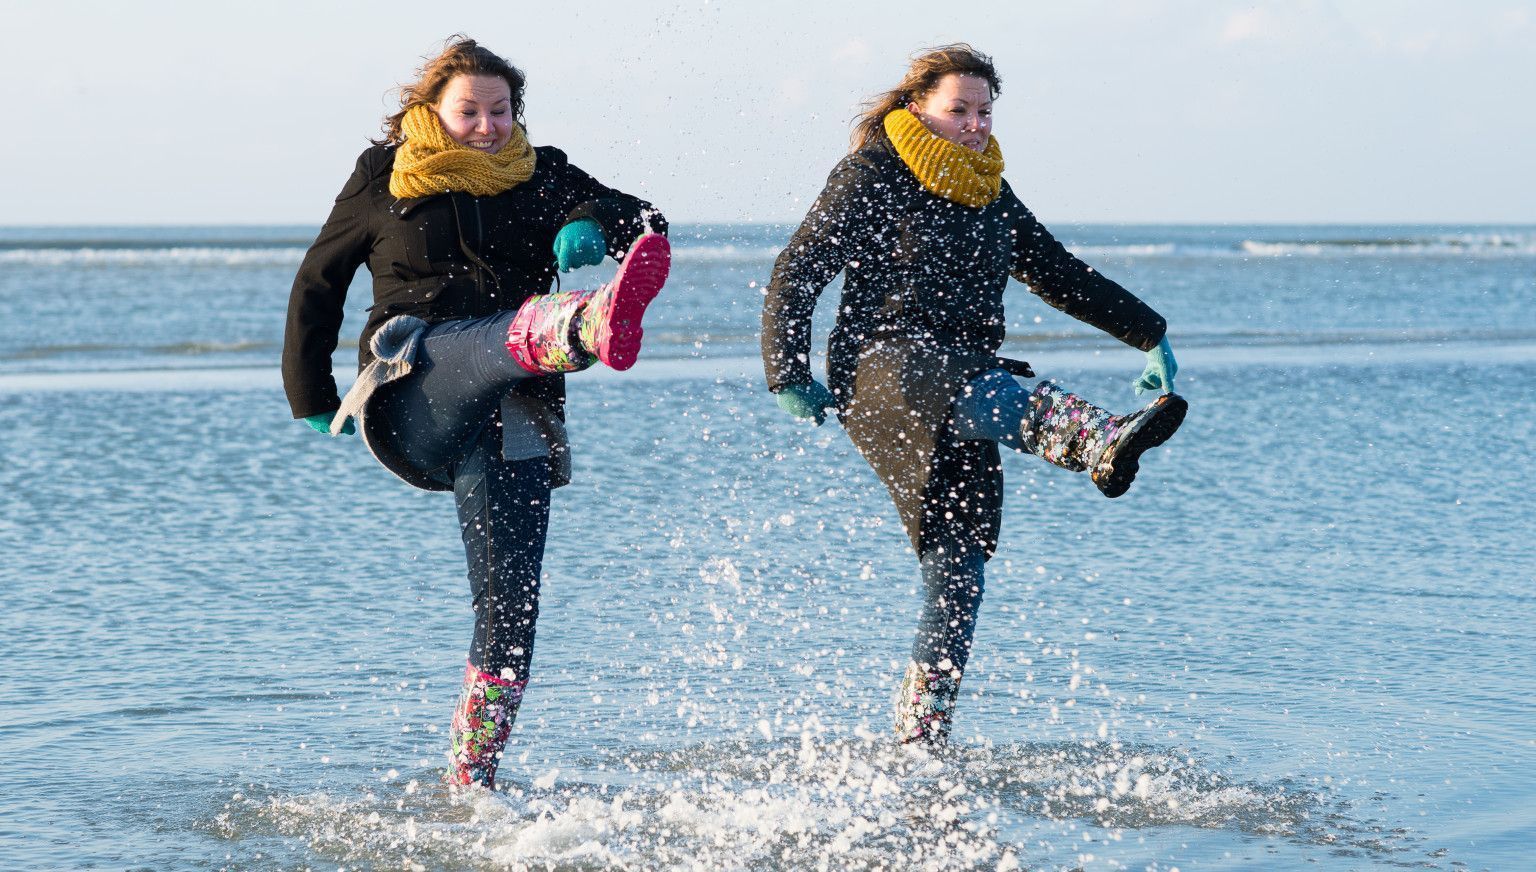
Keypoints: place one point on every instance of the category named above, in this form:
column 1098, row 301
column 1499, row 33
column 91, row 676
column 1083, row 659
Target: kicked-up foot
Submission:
column 610, row 323
column 1115, row 468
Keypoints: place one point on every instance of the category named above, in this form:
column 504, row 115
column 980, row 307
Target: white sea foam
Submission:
column 724, row 253
column 795, row 802
column 290, row 255
column 175, row 256
column 1148, row 250
column 1472, row 245
column 1465, row 245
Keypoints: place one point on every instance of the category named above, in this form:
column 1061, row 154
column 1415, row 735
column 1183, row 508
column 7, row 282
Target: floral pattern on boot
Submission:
column 541, row 338
column 1074, row 434
column 925, row 703
column 481, row 723
column 1066, row 429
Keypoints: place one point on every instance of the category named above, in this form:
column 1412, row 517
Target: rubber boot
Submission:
column 481, row 723
column 567, row 331
column 1074, row 434
column 925, row 703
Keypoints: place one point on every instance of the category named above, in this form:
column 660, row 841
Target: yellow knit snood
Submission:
column 946, row 169
column 429, row 162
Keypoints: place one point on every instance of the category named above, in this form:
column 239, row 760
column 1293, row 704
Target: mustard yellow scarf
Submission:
column 946, row 169
column 429, row 162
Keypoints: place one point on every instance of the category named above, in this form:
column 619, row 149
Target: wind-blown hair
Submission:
column 921, row 78
column 461, row 56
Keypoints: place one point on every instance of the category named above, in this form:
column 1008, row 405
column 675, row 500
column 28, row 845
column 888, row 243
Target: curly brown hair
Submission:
column 461, row 56
column 922, row 77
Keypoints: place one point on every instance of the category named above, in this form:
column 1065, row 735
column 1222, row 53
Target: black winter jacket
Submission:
column 450, row 255
column 921, row 315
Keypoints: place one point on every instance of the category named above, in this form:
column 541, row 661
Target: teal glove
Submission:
column 808, row 401
column 322, row 423
column 1161, row 368
column 580, row 243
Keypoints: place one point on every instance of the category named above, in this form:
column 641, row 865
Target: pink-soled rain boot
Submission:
column 570, row 330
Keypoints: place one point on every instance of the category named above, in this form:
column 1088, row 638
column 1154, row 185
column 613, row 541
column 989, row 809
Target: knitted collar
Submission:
column 429, row 162
column 946, row 169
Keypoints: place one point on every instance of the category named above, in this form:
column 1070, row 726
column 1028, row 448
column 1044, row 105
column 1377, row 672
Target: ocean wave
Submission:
column 289, row 255
column 189, row 348
column 175, row 256
column 1151, row 249
column 725, row 253
column 1464, row 244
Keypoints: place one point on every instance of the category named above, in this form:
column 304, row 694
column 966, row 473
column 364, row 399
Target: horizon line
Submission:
column 149, row 225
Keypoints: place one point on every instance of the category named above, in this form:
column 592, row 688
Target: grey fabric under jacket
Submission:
column 921, row 314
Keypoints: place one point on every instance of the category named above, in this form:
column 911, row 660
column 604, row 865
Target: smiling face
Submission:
column 959, row 109
column 476, row 111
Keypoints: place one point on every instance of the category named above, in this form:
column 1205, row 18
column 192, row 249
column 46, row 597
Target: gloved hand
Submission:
column 580, row 243
column 322, row 423
column 808, row 401
column 1161, row 368
column 1013, row 367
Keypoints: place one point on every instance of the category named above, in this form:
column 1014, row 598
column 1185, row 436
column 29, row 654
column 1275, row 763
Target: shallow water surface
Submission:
column 1302, row 641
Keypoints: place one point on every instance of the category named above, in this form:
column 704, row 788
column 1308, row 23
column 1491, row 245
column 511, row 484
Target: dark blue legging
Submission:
column 952, row 588
column 992, row 407
column 442, row 418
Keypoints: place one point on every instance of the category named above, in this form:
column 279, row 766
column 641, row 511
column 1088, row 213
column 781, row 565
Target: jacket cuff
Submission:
column 621, row 221
column 318, row 405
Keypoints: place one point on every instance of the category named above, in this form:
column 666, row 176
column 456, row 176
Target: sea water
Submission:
column 1303, row 640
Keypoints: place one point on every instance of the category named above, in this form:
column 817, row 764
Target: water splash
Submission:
column 806, row 800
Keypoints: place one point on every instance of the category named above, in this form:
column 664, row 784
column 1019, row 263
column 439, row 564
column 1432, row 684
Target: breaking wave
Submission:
column 1465, row 244
column 172, row 256
column 760, row 252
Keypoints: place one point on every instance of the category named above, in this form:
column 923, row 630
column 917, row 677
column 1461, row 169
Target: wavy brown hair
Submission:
column 461, row 56
column 922, row 77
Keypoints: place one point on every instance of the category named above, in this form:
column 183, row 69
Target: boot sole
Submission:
column 637, row 283
column 1153, row 430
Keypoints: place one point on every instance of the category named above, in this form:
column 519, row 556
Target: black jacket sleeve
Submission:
column 1076, row 288
column 833, row 234
column 315, row 305
column 622, row 216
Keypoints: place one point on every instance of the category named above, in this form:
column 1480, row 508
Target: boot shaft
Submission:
column 925, row 703
column 1066, row 429
column 482, row 721
column 543, row 336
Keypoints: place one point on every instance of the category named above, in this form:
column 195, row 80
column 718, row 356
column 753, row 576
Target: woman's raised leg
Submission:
column 1065, row 429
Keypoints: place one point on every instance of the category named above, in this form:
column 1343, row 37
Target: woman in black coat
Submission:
column 926, row 232
column 463, row 225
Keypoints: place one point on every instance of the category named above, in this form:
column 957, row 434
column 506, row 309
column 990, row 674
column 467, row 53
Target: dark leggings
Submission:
column 992, row 407
column 952, row 587
column 503, row 520
column 442, row 418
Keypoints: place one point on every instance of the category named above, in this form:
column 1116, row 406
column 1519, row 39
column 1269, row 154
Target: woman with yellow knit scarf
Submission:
column 926, row 232
column 463, row 225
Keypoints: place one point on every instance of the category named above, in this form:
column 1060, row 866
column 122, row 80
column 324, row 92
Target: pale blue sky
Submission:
column 725, row 111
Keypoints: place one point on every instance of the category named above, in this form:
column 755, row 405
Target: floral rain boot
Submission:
column 481, row 723
column 1074, row 434
column 568, row 331
column 925, row 703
